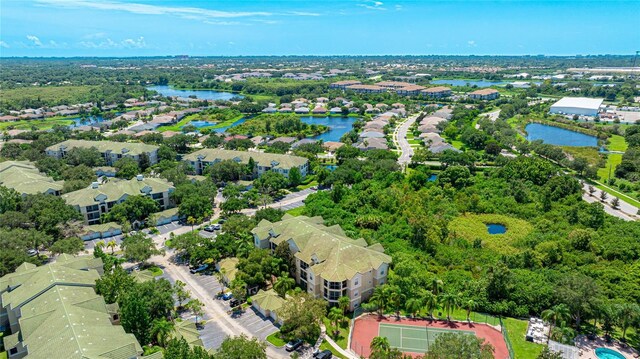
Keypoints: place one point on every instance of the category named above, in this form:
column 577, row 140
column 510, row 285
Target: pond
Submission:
column 496, row 228
column 338, row 126
column 479, row 83
column 89, row 120
column 201, row 94
column 559, row 136
column 432, row 178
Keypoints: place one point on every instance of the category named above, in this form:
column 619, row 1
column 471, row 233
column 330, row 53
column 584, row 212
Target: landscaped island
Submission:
column 278, row 125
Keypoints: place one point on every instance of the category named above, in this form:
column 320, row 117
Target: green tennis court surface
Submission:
column 408, row 338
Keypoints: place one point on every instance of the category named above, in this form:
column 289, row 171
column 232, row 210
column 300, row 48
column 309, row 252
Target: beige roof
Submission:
column 131, row 148
column 262, row 159
column 229, row 266
column 484, row 92
column 436, row 89
column 116, row 190
column 25, row 178
column 328, row 251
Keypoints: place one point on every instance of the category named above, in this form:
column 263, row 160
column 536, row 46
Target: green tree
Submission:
column 161, row 330
column 113, row 284
column 241, row 347
column 295, row 177
column 138, row 247
column 283, row 284
column 548, row 354
column 380, row 344
column 302, row 314
column 196, row 307
column 134, row 208
column 431, row 303
column 126, row 167
column 181, row 293
column 450, row 302
column 195, row 206
column 71, row 245
column 335, row 316
column 9, row 199
column 459, row 346
column 135, row 317
column 558, row 314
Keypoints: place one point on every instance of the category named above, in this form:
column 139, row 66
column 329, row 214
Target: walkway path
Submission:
column 625, row 211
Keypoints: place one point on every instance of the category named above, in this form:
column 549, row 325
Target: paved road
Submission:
column 626, row 211
column 400, row 139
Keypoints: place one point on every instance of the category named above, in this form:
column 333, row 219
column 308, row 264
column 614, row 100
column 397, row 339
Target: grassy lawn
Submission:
column 622, row 196
column 414, row 142
column 613, row 159
column 45, row 124
column 473, row 226
column 617, row 143
column 155, row 271
column 275, row 340
column 185, row 121
column 522, row 349
column 336, row 354
column 299, row 211
column 589, row 153
column 457, row 144
column 343, row 332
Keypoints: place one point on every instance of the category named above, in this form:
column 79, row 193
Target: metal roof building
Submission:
column 580, row 106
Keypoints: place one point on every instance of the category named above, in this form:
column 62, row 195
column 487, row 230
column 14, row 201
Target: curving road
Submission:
column 400, row 139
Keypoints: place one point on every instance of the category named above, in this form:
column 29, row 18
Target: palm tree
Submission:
column 380, row 344
column 450, row 302
column 558, row 313
column 220, row 277
column 191, row 221
column 431, row 303
column 436, row 285
column 283, row 284
column 395, row 300
column 413, row 306
column 380, row 297
column 335, row 316
column 344, row 303
column 469, row 305
column 112, row 244
column 627, row 314
column 195, row 306
column 160, row 331
column 100, row 245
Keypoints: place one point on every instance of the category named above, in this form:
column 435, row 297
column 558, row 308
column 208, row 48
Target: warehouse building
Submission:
column 580, row 106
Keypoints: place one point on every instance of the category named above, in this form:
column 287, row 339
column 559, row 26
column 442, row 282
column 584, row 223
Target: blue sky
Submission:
column 349, row 27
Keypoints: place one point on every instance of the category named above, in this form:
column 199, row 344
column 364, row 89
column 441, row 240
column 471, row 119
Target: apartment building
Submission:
column 264, row 162
column 111, row 151
column 344, row 84
column 329, row 265
column 25, row 178
column 97, row 199
column 53, row 311
column 437, row 92
column 484, row 94
column 366, row 88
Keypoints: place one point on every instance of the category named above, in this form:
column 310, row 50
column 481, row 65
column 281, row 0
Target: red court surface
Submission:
column 366, row 327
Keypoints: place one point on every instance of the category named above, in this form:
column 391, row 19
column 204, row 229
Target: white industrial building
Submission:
column 580, row 106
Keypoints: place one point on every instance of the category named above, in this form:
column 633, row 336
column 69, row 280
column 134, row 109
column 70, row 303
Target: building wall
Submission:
column 92, row 213
column 574, row 111
column 200, row 166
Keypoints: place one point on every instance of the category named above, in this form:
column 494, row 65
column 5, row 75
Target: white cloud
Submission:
column 398, row 7
column 97, row 35
column 36, row 41
column 372, row 5
column 471, row 43
column 107, row 43
column 147, row 9
column 4, row 44
column 303, row 13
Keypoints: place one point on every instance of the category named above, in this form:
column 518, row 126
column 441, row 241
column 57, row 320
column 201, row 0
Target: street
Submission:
column 400, row 139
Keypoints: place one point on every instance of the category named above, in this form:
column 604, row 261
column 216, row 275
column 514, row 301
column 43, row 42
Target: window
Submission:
column 13, row 351
column 356, row 293
column 356, row 282
column 382, row 272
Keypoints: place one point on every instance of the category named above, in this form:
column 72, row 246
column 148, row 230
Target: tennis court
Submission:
column 411, row 338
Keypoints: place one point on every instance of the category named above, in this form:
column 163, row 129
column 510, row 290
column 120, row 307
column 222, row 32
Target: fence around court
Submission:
column 505, row 335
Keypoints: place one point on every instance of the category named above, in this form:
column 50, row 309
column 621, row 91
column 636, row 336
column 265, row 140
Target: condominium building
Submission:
column 329, row 264
column 99, row 199
column 53, row 311
column 484, row 94
column 366, row 88
column 25, row 178
column 264, row 162
column 344, row 84
column 111, row 151
column 437, row 92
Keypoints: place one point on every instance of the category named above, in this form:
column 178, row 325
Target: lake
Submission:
column 338, row 126
column 201, row 94
column 479, row 83
column 495, row 228
column 89, row 120
column 559, row 136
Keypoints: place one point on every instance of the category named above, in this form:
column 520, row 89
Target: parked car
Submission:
column 227, row 296
column 32, row 252
column 199, row 269
column 325, row 354
column 209, row 228
column 293, row 345
column 234, row 303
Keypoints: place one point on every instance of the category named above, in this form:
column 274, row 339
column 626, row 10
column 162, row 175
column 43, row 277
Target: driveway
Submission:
column 290, row 201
